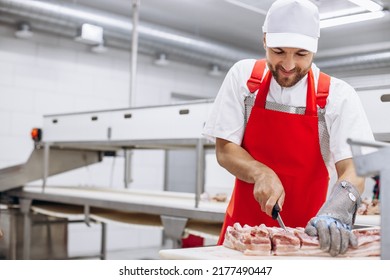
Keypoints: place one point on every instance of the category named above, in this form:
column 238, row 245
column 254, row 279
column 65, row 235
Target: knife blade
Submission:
column 276, row 216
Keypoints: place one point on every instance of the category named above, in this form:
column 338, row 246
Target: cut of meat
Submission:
column 369, row 207
column 283, row 243
column 262, row 241
column 249, row 240
column 368, row 243
column 367, row 236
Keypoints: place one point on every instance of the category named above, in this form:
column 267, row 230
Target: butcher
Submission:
column 280, row 126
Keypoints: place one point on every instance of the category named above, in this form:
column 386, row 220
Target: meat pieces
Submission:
column 284, row 243
column 249, row 240
column 369, row 207
column 263, row 241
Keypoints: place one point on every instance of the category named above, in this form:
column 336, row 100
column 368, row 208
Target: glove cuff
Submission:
column 353, row 193
column 342, row 203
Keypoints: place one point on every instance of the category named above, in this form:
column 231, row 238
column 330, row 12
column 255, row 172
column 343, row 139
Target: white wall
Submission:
column 49, row 74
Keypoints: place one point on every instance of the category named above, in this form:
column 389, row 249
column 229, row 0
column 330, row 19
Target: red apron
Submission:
column 289, row 145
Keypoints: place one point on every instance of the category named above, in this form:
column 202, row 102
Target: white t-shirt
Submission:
column 345, row 117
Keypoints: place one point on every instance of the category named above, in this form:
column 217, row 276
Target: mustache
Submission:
column 295, row 70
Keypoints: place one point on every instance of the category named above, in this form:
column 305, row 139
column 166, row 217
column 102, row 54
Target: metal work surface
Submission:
column 162, row 203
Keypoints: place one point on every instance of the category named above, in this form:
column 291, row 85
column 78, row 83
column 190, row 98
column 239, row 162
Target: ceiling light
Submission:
column 250, row 6
column 368, row 5
column 342, row 12
column 161, row 60
column 90, row 34
column 24, row 30
column 215, row 70
column 351, row 19
column 100, row 48
column 352, row 15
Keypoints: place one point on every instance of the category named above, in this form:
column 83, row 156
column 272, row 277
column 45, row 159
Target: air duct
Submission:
column 55, row 14
column 356, row 62
column 65, row 18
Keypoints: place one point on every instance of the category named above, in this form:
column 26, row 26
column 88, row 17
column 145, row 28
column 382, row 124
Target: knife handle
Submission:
column 275, row 211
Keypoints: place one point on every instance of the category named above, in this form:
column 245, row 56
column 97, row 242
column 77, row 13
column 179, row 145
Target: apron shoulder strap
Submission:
column 254, row 81
column 323, row 89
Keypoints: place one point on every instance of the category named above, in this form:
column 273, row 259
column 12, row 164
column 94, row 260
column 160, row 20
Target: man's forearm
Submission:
column 239, row 162
column 346, row 171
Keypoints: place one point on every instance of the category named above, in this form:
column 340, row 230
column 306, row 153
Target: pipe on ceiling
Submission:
column 63, row 18
column 357, row 62
column 57, row 15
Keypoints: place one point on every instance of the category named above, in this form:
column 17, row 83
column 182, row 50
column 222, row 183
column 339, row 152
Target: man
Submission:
column 280, row 126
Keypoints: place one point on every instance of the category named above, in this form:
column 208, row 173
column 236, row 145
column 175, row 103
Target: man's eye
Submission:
column 302, row 54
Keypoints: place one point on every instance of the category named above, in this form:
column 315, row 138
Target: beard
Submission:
column 291, row 80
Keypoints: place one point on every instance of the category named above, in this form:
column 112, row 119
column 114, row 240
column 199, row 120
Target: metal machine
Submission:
column 70, row 141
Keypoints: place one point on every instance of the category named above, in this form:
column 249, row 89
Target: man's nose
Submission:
column 288, row 64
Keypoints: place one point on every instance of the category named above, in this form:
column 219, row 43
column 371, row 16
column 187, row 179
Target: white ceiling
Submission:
column 224, row 22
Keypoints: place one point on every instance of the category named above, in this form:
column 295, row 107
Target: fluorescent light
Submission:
column 247, row 6
column 368, row 5
column 351, row 19
column 341, row 13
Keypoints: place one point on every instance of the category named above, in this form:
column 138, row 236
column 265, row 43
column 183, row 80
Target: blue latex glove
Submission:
column 334, row 221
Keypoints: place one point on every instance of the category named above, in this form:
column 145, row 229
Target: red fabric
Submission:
column 323, row 89
column 192, row 241
column 256, row 76
column 288, row 144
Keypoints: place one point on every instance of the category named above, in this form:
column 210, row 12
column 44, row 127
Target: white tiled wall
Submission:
column 49, row 75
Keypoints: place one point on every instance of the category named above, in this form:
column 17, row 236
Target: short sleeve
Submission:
column 346, row 118
column 226, row 119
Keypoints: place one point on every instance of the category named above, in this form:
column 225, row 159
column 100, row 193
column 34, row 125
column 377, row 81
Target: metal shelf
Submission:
column 374, row 163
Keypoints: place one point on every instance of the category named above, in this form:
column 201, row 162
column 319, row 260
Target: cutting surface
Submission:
column 223, row 253
column 370, row 220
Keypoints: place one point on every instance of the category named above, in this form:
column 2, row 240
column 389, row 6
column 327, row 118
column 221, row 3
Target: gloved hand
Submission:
column 335, row 219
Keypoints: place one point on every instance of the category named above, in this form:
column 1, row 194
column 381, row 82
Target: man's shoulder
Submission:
column 336, row 83
column 340, row 85
column 247, row 63
column 242, row 69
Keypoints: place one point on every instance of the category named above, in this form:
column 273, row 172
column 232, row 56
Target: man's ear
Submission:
column 264, row 42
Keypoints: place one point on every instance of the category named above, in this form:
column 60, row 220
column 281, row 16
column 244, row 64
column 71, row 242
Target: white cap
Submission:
column 294, row 24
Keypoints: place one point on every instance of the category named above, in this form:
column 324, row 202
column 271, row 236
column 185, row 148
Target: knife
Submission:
column 276, row 216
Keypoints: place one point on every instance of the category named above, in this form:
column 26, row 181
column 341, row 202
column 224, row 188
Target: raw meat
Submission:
column 249, row 240
column 283, row 243
column 369, row 207
column 263, row 241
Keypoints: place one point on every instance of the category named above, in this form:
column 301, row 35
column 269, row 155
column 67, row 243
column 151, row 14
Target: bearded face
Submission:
column 287, row 78
column 288, row 65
